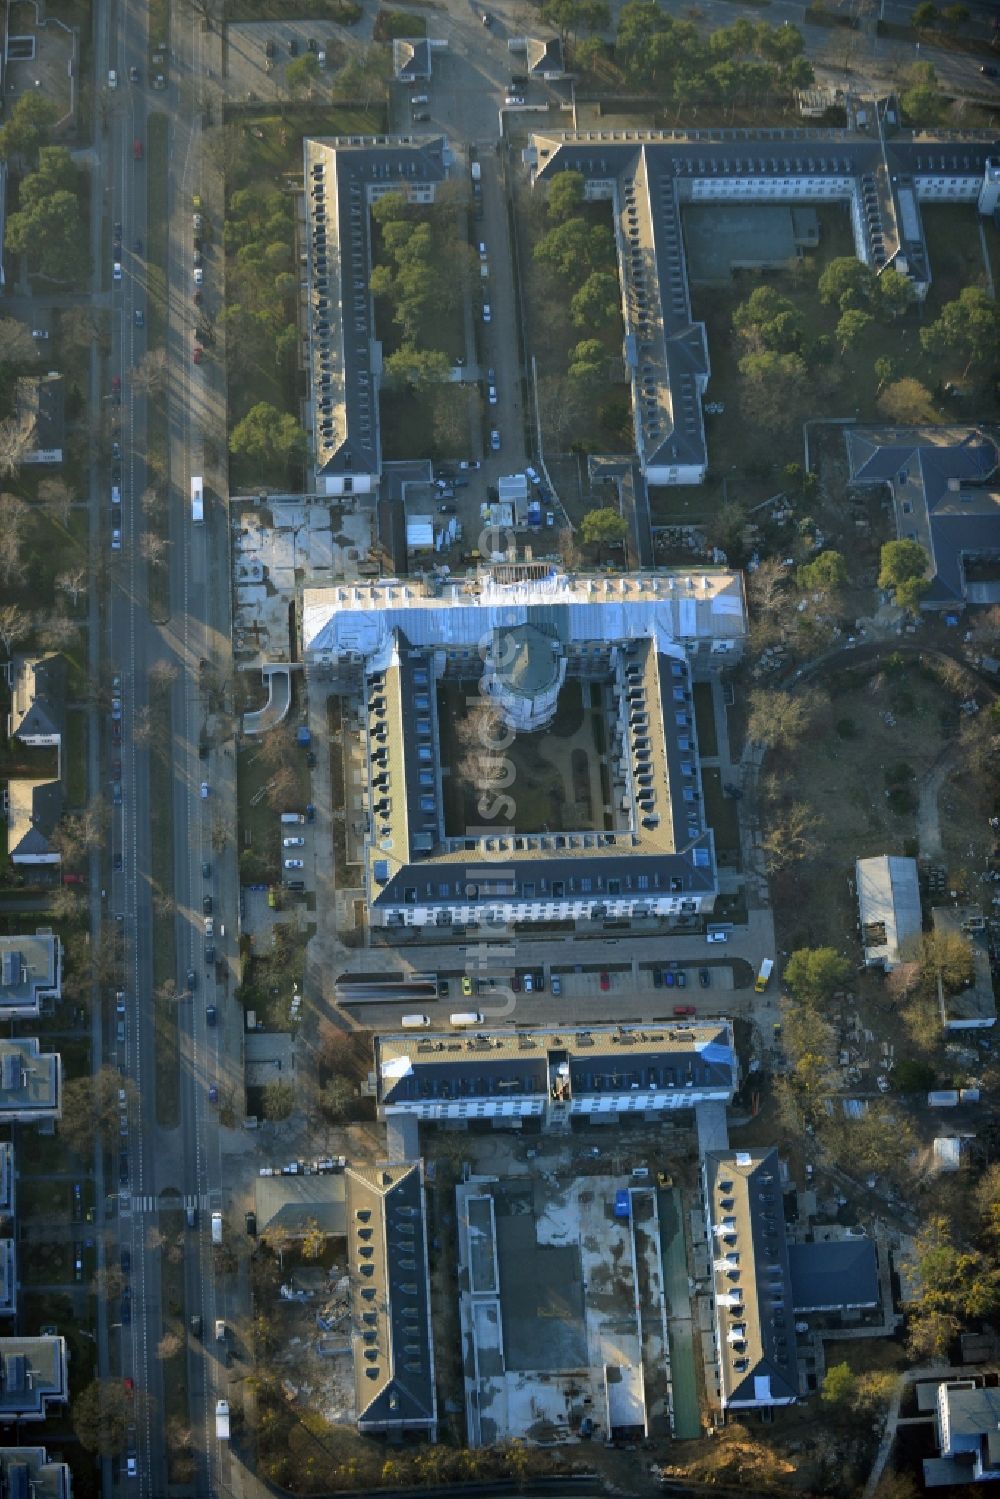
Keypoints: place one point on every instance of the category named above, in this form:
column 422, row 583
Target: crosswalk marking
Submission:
column 149, row 1204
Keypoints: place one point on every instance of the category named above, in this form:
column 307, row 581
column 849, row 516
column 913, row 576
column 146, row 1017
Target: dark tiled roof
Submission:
column 940, row 481
column 390, row 1288
column 833, row 1274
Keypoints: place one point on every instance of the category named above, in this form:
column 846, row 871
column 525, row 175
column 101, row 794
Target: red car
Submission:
column 116, row 383
column 129, row 1384
column 605, row 981
column 198, row 352
column 685, row 1010
column 137, row 149
column 72, row 879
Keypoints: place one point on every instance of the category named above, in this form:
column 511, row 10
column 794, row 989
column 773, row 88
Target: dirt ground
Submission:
column 880, row 732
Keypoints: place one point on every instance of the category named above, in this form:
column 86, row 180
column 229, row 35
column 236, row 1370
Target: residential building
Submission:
column 37, row 691
column 945, row 488
column 8, row 1247
column 881, row 176
column 634, row 641
column 33, row 1376
column 30, row 972
column 834, row 1275
column 412, row 60
column 543, row 56
column 27, row 1471
column 889, row 909
column 344, row 177
column 292, row 1206
column 555, row 1076
column 33, row 809
column 393, row 1345
column 753, row 1320
column 967, row 1425
column 39, row 402
column 30, row 1082
column 973, row 1008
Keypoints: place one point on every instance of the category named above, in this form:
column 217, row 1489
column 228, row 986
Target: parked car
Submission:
column 495, row 440
column 295, row 863
column 133, row 74
column 685, row 1010
column 466, row 984
column 293, row 843
column 39, row 333
column 556, row 983
column 206, row 904
column 204, row 790
column 681, row 979
column 605, row 981
column 657, row 979
column 515, row 982
column 529, row 984
column 704, row 977
column 668, row 977
column 491, row 394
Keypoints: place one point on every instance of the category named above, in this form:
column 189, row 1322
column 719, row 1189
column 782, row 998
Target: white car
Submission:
column 716, row 936
column 482, row 250
column 295, row 863
column 116, row 271
column 204, row 790
column 116, row 495
column 495, row 440
column 209, row 926
column 491, row 392
column 533, row 474
column 487, row 313
column 199, row 275
column 514, row 99
column 112, row 78
column 39, row 333
column 116, row 539
column 419, row 99
column 293, row 843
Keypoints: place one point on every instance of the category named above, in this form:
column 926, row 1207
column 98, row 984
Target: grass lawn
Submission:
column 45, row 1263
column 37, row 1197
column 165, row 976
column 954, row 250
column 410, row 427
column 704, row 718
column 260, row 830
column 75, row 756
column 268, row 157
column 343, row 12
column 722, row 817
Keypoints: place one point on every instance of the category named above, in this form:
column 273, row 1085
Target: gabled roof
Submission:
column 41, row 399
column 36, row 684
column 545, row 56
column 755, row 1322
column 390, row 1289
column 34, row 808
column 411, row 59
column 946, row 496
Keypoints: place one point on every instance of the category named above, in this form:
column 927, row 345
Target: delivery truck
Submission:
column 763, row 974
column 222, row 1420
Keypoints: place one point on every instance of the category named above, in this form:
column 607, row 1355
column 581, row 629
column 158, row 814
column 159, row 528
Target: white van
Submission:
column 220, row 1330
column 466, row 1017
column 116, row 494
column 295, row 817
column 716, row 936
column 216, row 1228
column 415, row 1022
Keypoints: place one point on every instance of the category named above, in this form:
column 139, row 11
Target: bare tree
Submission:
column 770, row 603
column 15, row 625
column 17, row 438
column 56, row 632
column 163, row 673
column 282, row 787
column 150, row 374
column 792, row 837
column 153, row 548
column 779, row 719
column 223, row 148
column 142, row 726
column 16, row 341
column 56, row 499
column 73, row 582
column 169, row 1345
column 66, row 904
column 13, row 519
column 152, row 501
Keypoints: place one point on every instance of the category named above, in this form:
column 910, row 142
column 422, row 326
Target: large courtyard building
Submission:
column 880, row 174
column 419, row 659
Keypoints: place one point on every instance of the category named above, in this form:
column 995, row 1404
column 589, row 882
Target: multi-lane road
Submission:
column 179, row 1166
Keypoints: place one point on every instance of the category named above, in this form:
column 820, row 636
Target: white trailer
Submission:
column 197, row 499
column 222, row 1420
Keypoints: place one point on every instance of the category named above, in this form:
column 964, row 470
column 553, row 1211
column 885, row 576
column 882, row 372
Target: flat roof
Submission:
column 598, row 1059
column 29, row 969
